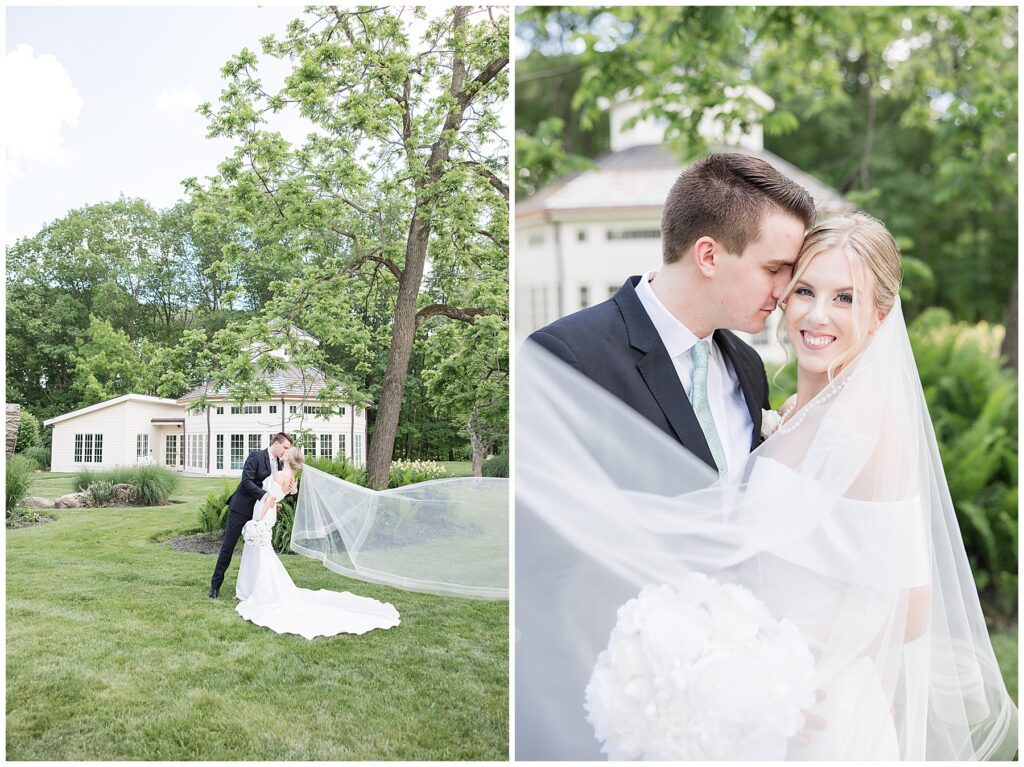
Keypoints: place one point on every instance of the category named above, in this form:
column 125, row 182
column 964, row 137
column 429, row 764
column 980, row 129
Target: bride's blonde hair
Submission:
column 874, row 259
column 294, row 457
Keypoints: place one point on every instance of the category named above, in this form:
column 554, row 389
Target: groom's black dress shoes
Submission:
column 214, row 593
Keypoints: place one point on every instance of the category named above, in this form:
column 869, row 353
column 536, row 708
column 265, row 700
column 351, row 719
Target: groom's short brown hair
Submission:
column 726, row 196
column 282, row 437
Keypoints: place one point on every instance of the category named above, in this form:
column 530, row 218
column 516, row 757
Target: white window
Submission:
column 141, row 447
column 78, row 448
column 246, row 409
column 535, row 240
column 612, row 290
column 633, row 234
column 293, row 409
column 581, row 235
column 341, row 446
column 97, row 449
column 357, row 449
column 254, row 442
column 237, row 450
column 326, row 445
column 220, row 451
column 220, row 410
column 309, row 444
column 272, row 409
column 87, row 453
column 171, row 450
column 584, row 298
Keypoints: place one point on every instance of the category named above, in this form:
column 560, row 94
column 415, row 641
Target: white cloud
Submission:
column 177, row 98
column 40, row 101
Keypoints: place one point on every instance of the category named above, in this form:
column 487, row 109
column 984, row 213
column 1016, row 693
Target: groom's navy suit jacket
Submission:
column 250, row 488
column 616, row 345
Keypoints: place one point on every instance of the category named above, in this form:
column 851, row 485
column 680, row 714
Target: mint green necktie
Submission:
column 701, row 407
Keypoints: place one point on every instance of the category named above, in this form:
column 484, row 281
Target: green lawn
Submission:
column 114, row 652
column 458, row 468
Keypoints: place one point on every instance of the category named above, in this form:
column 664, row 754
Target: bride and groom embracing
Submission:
column 268, row 595
column 700, row 577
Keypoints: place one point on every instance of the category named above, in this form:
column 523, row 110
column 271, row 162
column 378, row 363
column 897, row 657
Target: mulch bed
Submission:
column 196, row 543
column 21, row 518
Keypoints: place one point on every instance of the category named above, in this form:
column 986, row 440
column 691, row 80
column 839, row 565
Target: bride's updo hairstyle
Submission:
column 874, row 261
column 294, row 457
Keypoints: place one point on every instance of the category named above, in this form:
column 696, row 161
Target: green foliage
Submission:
column 213, row 513
column 19, row 479
column 40, row 456
column 283, row 527
column 28, row 432
column 973, row 404
column 101, row 492
column 341, row 469
column 153, row 484
column 410, row 472
column 496, row 466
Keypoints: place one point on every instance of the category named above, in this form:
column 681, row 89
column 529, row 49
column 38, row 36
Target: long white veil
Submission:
column 841, row 523
column 446, row 536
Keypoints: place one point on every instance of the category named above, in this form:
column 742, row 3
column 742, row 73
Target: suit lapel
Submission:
column 659, row 373
column 749, row 377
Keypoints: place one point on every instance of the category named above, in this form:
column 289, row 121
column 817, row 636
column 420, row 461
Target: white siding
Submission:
column 118, row 423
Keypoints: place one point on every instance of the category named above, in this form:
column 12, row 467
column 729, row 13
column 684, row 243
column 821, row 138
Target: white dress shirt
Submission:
column 728, row 406
column 273, row 461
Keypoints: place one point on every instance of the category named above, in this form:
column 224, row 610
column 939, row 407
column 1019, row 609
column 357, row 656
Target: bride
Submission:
column 650, row 592
column 271, row 599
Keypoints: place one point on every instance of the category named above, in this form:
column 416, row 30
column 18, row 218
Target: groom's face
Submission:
column 277, row 449
column 751, row 284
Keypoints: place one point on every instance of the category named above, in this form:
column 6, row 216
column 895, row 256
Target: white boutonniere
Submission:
column 770, row 422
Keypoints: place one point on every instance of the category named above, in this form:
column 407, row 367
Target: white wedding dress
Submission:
column 840, row 523
column 271, row 599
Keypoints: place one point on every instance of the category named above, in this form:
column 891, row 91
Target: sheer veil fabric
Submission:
column 446, row 536
column 841, row 522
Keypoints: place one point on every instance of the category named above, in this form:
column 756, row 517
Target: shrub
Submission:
column 153, row 484
column 102, row 492
column 410, row 472
column 283, row 528
column 495, row 466
column 28, row 432
column 213, row 514
column 40, row 456
column 19, row 479
column 341, row 469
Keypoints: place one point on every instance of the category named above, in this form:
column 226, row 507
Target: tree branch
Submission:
column 486, row 172
column 465, row 315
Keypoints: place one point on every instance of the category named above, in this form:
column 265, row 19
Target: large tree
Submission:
column 404, row 113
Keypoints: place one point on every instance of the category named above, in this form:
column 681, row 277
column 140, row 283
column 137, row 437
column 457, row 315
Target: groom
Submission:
column 258, row 466
column 731, row 229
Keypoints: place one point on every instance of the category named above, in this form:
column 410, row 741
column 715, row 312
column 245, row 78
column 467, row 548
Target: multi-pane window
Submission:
column 237, row 450
column 88, row 448
column 633, row 234
column 254, row 442
column 341, row 446
column 293, row 409
column 220, row 451
column 309, row 444
column 326, row 445
column 141, row 447
column 171, row 450
column 272, row 409
column 220, row 410
column 197, row 451
column 357, row 449
column 584, row 297
column 315, row 409
column 246, row 409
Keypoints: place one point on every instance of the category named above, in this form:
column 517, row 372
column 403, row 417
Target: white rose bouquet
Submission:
column 702, row 673
column 257, row 532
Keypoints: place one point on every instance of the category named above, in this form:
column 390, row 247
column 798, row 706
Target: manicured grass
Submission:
column 458, row 468
column 1005, row 645
column 114, row 652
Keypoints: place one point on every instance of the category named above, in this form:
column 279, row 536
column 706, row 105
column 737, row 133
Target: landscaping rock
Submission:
column 38, row 503
column 72, row 501
column 124, row 494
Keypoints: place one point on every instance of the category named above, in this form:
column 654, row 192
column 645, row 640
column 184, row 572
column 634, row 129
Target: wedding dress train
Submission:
column 271, row 599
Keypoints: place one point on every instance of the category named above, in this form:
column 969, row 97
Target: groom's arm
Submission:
column 556, row 346
column 248, row 485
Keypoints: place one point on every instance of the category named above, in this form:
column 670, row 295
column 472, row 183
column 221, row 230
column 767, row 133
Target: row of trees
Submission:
column 384, row 234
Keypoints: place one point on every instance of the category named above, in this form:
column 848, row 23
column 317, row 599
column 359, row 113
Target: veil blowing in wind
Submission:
column 840, row 524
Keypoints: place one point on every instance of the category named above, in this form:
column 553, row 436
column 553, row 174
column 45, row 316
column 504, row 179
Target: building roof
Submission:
column 641, row 177
column 289, row 382
column 109, row 403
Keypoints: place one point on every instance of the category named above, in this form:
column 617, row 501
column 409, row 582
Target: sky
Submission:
column 100, row 101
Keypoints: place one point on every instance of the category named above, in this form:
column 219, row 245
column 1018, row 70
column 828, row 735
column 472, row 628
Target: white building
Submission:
column 215, row 440
column 580, row 238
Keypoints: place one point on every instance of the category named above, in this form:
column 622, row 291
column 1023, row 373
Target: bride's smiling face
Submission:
column 820, row 311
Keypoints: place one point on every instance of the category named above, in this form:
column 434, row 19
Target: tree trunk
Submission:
column 403, row 333
column 1009, row 349
column 478, row 446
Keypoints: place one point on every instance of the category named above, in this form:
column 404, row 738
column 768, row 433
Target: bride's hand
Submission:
column 811, row 722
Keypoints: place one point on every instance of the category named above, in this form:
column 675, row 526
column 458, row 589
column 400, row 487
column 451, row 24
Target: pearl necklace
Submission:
column 818, row 399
